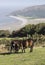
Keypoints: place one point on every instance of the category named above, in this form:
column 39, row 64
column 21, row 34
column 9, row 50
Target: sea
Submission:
column 5, row 19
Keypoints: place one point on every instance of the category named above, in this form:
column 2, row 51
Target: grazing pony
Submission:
column 14, row 45
column 29, row 43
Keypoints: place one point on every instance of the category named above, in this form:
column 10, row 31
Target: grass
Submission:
column 16, row 38
column 37, row 57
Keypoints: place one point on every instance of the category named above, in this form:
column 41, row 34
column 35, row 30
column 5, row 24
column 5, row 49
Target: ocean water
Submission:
column 5, row 20
column 3, row 16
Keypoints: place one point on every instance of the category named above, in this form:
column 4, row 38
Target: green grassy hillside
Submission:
column 37, row 57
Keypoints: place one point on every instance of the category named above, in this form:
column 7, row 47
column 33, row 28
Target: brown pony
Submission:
column 29, row 43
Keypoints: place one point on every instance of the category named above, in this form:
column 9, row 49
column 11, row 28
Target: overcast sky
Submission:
column 20, row 3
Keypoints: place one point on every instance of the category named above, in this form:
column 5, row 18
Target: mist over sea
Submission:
column 3, row 15
column 5, row 21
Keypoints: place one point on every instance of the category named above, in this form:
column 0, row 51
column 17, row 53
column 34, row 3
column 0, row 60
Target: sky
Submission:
column 20, row 3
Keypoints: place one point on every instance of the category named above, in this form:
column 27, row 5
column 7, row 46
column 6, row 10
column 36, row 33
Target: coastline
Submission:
column 26, row 21
column 23, row 20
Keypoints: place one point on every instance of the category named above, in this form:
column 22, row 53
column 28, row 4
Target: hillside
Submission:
column 37, row 11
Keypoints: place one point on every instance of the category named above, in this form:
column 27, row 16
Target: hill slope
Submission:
column 34, row 11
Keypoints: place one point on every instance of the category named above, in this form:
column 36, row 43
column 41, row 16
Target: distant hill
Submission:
column 37, row 11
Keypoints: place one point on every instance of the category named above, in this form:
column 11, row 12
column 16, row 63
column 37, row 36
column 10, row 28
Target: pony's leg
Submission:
column 31, row 49
column 11, row 49
column 24, row 50
column 15, row 51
